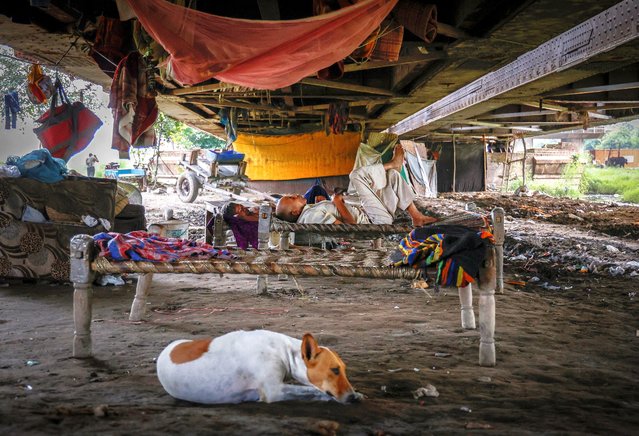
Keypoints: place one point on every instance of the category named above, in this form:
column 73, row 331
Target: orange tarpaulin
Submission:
column 254, row 53
column 289, row 157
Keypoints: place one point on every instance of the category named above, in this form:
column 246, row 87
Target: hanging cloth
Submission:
column 133, row 105
column 256, row 53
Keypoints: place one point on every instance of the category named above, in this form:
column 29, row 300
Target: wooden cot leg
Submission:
column 138, row 308
column 262, row 285
column 466, row 301
column 499, row 233
column 487, row 282
column 82, row 314
column 82, row 252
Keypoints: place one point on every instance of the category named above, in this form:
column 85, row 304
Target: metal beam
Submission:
column 518, row 114
column 593, row 89
column 603, row 32
column 347, row 86
column 404, row 60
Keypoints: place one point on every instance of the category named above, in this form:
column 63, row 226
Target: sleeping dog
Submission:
column 252, row 366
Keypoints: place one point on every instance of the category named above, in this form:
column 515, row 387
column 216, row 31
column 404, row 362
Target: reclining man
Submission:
column 381, row 191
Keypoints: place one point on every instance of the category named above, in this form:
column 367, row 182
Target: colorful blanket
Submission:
column 143, row 246
column 457, row 252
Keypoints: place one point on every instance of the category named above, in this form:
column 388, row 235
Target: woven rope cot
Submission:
column 467, row 219
column 296, row 262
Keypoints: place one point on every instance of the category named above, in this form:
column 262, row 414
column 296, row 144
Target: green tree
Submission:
column 626, row 136
column 181, row 135
column 13, row 76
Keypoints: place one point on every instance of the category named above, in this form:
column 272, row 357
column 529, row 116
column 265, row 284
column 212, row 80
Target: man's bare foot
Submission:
column 423, row 221
column 398, row 159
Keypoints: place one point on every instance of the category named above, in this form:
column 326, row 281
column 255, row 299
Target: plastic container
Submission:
column 171, row 229
column 225, row 157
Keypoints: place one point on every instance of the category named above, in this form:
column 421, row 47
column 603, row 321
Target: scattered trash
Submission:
column 105, row 223
column 534, row 279
column 616, row 271
column 519, row 257
column 110, row 279
column 574, row 217
column 324, row 428
column 33, row 362
column 89, row 220
column 383, row 388
column 584, row 269
column 428, row 391
column 550, row 287
column 416, row 369
column 442, row 354
column 516, row 282
column 632, row 294
column 478, row 426
column 396, row 307
column 465, row 409
column 101, row 411
column 32, row 215
column 395, row 370
column 28, row 387
column 632, row 264
column 612, row 249
column 484, row 379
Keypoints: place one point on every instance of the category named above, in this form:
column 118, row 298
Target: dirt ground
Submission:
column 567, row 340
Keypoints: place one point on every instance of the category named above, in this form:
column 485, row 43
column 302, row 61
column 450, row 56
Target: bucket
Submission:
column 171, row 229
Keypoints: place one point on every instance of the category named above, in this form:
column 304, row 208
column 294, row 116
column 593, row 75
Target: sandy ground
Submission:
column 567, row 348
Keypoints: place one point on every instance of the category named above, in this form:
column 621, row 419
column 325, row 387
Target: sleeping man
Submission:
column 381, row 190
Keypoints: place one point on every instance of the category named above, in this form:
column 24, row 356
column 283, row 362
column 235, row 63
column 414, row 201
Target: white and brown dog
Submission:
column 252, row 366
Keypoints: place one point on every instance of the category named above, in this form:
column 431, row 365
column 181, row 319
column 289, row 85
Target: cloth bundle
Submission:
column 457, row 252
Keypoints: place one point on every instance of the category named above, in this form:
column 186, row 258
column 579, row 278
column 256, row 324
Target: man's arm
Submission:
column 345, row 214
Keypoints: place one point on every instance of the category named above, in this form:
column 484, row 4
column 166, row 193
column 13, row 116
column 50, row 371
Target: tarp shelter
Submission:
column 461, row 166
column 298, row 156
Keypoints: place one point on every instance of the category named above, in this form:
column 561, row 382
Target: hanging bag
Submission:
column 66, row 129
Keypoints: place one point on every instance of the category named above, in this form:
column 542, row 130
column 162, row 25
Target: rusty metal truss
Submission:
column 603, row 32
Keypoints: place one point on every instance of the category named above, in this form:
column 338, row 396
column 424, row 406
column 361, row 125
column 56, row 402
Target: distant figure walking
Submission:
column 91, row 161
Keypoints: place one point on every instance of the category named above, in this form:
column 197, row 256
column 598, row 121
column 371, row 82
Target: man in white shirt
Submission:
column 381, row 190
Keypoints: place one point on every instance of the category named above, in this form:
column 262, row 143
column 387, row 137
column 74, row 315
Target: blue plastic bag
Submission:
column 41, row 166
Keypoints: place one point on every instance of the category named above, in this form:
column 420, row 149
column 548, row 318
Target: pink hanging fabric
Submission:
column 254, row 53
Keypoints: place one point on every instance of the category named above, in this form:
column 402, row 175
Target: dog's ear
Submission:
column 309, row 347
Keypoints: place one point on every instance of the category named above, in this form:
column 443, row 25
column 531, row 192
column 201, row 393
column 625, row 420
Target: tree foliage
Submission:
column 183, row 136
column 13, row 75
column 626, row 136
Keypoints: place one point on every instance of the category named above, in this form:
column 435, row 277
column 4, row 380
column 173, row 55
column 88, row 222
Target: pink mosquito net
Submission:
column 253, row 53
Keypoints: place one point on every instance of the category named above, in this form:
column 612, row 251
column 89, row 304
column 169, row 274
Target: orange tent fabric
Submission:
column 255, row 53
column 301, row 156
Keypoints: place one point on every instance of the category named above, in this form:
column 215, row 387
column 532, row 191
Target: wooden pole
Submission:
column 523, row 164
column 454, row 164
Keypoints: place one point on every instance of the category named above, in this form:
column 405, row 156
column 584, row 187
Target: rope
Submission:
column 291, row 263
column 467, row 219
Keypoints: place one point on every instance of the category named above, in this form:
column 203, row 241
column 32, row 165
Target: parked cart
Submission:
column 219, row 172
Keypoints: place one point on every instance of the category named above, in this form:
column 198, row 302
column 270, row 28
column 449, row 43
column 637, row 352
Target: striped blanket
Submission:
column 143, row 246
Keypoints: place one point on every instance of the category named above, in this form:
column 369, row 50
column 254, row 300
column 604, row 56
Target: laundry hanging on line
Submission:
column 11, row 109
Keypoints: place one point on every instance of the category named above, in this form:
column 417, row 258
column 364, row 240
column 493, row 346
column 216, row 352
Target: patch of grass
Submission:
column 609, row 181
column 631, row 196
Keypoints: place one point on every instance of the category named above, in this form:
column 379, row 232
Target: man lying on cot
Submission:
column 381, row 190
